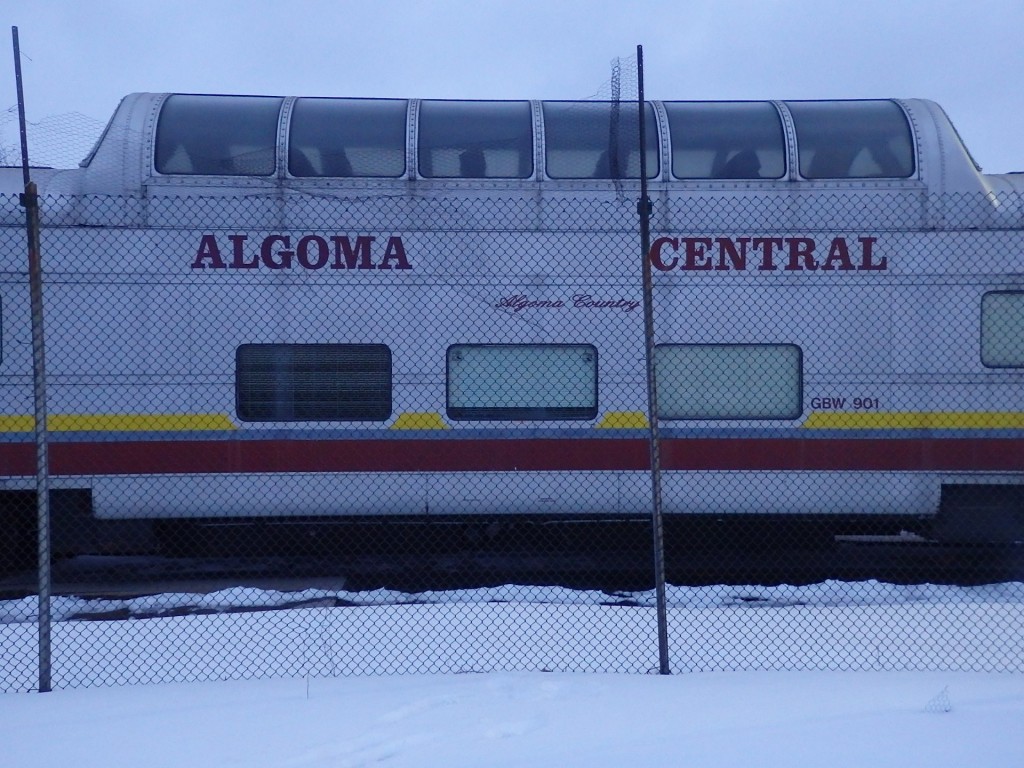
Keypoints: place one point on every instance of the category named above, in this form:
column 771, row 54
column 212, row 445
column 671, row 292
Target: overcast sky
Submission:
column 84, row 55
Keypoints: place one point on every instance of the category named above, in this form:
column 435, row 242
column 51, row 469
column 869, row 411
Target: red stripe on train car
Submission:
column 503, row 455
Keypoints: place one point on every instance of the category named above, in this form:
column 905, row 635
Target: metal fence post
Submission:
column 30, row 201
column 644, row 209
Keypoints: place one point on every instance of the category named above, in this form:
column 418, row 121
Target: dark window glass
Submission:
column 732, row 140
column 347, row 137
column 598, row 140
column 522, row 381
column 475, row 139
column 852, row 139
column 313, row 382
column 218, row 135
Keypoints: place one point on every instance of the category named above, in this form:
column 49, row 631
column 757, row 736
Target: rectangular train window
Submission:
column 736, row 140
column 1002, row 329
column 852, row 139
column 218, row 135
column 520, row 382
column 475, row 140
column 598, row 140
column 729, row 381
column 347, row 137
column 313, row 382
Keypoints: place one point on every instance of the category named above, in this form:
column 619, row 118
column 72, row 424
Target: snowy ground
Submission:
column 764, row 719
column 819, row 676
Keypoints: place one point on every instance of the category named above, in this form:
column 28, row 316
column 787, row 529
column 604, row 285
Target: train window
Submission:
column 218, row 135
column 737, row 140
column 475, row 139
column 1002, row 329
column 347, row 137
column 313, row 382
column 729, row 381
column 519, row 382
column 852, row 139
column 598, row 140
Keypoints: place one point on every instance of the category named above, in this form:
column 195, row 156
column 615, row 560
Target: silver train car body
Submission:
column 865, row 289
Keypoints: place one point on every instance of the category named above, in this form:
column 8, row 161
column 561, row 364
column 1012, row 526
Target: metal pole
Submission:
column 21, row 107
column 30, row 200
column 644, row 209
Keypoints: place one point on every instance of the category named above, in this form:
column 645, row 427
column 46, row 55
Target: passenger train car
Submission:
column 322, row 308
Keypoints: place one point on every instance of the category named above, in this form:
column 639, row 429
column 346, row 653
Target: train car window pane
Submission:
column 852, row 139
column 313, row 382
column 598, row 140
column 218, row 135
column 729, row 381
column 1002, row 329
column 522, row 382
column 737, row 140
column 347, row 137
column 475, row 140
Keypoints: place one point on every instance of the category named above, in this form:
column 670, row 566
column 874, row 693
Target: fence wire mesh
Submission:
column 336, row 433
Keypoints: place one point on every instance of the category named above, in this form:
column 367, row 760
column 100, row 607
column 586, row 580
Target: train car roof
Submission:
column 162, row 140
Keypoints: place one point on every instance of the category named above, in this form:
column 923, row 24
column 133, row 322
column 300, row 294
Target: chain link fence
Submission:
column 297, row 434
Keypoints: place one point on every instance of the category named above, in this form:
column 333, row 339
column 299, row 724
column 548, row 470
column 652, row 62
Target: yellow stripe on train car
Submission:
column 915, row 420
column 420, row 420
column 123, row 422
column 623, row 420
